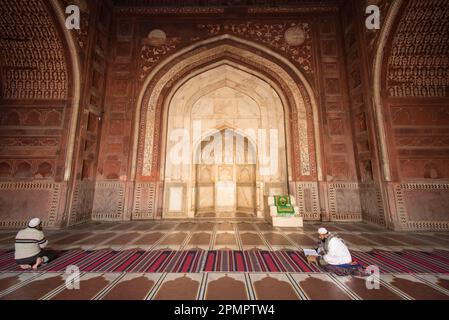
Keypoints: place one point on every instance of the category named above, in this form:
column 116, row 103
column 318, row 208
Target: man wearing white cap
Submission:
column 332, row 249
column 29, row 245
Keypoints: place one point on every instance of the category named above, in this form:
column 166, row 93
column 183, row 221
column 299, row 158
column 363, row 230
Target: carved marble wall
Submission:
column 19, row 201
column 93, row 50
column 422, row 206
column 39, row 107
column 317, row 58
column 34, row 92
column 418, row 61
column 35, row 105
column 416, row 107
column 141, row 51
column 358, row 69
column 341, row 198
column 413, row 110
column 112, row 172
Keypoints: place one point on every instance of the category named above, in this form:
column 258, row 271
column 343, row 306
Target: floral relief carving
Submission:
column 150, row 54
column 271, row 35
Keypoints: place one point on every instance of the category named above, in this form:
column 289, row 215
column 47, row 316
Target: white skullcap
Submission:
column 34, row 223
column 322, row 231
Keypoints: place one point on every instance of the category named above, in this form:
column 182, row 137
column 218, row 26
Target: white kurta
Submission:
column 338, row 253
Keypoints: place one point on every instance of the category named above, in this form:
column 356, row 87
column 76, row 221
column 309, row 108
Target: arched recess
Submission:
column 297, row 96
column 223, row 79
column 410, row 97
column 224, row 97
column 42, row 64
column 43, row 75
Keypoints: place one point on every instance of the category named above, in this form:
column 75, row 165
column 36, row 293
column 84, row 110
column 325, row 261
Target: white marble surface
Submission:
column 219, row 99
column 175, row 199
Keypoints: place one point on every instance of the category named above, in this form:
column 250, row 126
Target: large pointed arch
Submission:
column 257, row 108
column 287, row 78
column 249, row 92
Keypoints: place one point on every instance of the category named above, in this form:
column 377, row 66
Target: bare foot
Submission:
column 25, row 266
column 38, row 263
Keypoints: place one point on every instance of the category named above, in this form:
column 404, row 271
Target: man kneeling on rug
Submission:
column 332, row 250
column 29, row 245
column 334, row 255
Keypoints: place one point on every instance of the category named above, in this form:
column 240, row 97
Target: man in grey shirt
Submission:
column 29, row 245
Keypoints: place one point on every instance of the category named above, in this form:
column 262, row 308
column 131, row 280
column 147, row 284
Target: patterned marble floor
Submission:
column 228, row 234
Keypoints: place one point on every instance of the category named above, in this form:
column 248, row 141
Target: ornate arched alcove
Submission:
column 40, row 99
column 410, row 100
column 224, row 98
column 277, row 88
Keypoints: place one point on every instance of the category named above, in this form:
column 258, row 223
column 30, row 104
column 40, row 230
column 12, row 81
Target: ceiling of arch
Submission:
column 32, row 55
column 418, row 65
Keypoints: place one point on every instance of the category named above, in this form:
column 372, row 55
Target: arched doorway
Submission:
column 225, row 176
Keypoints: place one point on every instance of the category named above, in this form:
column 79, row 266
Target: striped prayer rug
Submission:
column 193, row 261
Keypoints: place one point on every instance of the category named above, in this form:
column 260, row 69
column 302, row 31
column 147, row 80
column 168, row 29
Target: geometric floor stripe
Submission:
column 198, row 260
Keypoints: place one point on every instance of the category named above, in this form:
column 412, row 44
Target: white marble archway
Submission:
column 146, row 150
column 222, row 97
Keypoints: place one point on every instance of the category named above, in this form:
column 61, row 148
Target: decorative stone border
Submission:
column 53, row 202
column 145, row 201
column 372, row 189
column 109, row 201
column 402, row 211
column 308, row 200
column 336, row 214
